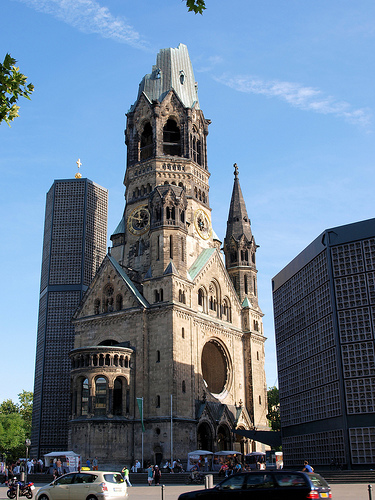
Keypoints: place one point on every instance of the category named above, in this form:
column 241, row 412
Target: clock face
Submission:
column 202, row 224
column 139, row 220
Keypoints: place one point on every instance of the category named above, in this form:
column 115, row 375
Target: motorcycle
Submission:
column 25, row 490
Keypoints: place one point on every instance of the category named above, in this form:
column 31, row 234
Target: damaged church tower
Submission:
column 165, row 319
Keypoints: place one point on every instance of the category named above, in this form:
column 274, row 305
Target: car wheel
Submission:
column 43, row 497
column 91, row 497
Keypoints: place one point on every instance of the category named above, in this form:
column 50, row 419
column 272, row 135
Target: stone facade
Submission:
column 162, row 319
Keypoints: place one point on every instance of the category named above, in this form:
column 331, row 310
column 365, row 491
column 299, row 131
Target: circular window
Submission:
column 214, row 367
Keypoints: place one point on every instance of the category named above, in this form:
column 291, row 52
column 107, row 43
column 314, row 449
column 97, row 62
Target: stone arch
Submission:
column 147, row 140
column 202, row 299
column 205, row 436
column 224, row 441
column 171, row 138
column 101, row 395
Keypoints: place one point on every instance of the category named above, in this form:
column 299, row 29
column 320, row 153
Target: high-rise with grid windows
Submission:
column 74, row 245
column 324, row 307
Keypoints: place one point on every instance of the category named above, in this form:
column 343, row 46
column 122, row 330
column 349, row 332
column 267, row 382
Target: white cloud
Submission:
column 298, row 96
column 89, row 16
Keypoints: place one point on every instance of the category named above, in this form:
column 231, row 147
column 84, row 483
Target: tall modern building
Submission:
column 166, row 321
column 324, row 306
column 74, row 245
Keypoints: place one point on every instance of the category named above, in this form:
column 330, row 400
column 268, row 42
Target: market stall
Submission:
column 70, row 461
column 198, row 456
column 221, row 457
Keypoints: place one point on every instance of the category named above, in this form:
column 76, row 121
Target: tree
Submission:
column 12, row 433
column 273, row 415
column 15, row 425
column 12, row 86
column 197, row 6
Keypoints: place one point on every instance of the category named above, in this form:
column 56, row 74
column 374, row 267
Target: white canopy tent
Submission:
column 225, row 453
column 70, row 461
column 194, row 456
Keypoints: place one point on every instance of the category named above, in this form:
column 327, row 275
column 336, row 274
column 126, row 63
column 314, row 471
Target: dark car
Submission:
column 266, row 485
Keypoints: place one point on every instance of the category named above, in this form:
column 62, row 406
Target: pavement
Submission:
column 171, row 492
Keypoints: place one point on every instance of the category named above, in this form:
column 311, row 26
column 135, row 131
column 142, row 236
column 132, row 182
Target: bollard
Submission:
column 208, row 481
column 162, row 491
column 369, row 492
column 17, row 490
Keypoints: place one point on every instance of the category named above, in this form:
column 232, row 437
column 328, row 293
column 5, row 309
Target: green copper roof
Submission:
column 246, row 303
column 173, row 70
column 120, row 229
column 200, row 262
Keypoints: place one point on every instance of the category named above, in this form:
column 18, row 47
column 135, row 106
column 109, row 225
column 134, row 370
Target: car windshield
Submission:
column 113, row 478
column 318, row 481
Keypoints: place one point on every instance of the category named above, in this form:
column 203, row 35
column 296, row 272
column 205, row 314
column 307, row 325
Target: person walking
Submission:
column 150, row 475
column 157, row 475
column 125, row 471
column 307, row 467
column 95, row 463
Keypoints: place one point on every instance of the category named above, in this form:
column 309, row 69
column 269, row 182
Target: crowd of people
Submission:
column 31, row 466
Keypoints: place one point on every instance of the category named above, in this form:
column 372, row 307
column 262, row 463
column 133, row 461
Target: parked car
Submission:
column 90, row 485
column 265, row 485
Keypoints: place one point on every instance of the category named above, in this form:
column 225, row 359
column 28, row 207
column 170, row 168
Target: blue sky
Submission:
column 288, row 85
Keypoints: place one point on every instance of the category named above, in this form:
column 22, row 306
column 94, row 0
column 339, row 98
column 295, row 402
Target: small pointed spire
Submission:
column 238, row 220
column 78, row 174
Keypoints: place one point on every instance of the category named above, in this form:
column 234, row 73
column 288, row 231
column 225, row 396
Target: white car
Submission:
column 90, row 485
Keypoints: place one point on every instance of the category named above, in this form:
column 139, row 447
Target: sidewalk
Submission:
column 339, row 492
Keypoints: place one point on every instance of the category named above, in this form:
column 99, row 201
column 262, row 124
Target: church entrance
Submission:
column 223, row 438
column 204, row 437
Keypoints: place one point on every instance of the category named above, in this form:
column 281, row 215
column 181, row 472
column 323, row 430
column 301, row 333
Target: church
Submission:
column 169, row 345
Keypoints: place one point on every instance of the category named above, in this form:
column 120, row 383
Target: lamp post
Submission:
column 27, row 443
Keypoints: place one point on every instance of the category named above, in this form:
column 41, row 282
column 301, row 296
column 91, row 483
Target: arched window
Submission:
column 117, row 397
column 171, row 246
column 119, row 302
column 158, row 356
column 245, row 279
column 97, row 306
column 85, row 397
column 183, row 386
column 157, row 401
column 200, row 297
column 183, row 332
column 100, row 396
column 171, row 139
column 146, row 142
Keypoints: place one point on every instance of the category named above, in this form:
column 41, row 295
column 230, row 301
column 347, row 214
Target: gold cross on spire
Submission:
column 78, row 174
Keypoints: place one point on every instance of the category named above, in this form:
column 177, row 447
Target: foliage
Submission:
column 15, row 425
column 12, row 432
column 273, row 414
column 197, row 6
column 12, row 86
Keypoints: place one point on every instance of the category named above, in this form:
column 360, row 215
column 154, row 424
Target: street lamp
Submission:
column 27, row 443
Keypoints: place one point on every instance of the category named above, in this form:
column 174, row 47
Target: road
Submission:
column 339, row 492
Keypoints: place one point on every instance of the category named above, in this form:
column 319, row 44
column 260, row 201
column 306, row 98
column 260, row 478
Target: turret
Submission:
column 240, row 247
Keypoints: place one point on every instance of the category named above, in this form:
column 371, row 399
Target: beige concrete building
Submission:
column 166, row 318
